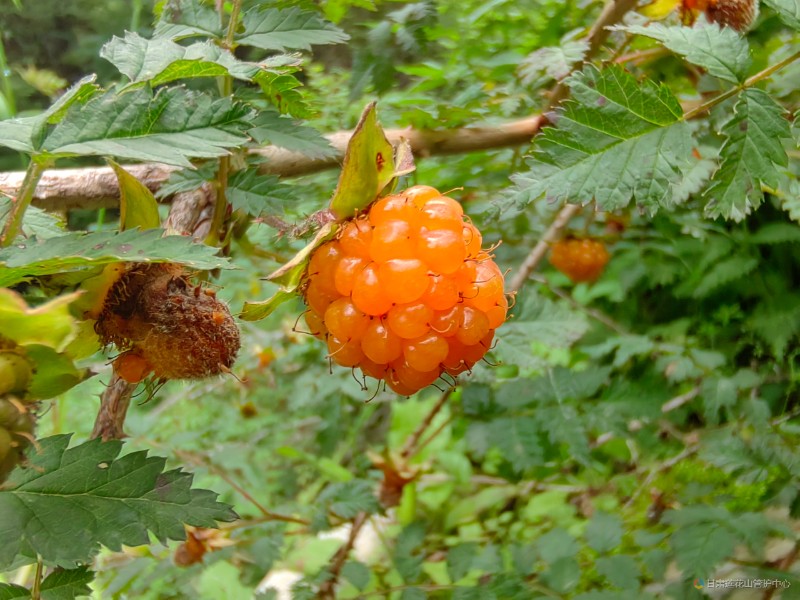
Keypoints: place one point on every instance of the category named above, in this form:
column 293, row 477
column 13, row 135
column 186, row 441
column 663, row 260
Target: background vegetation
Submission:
column 637, row 434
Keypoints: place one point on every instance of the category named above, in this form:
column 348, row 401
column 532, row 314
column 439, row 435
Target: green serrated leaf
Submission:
column 188, row 18
column 68, row 502
column 552, row 62
column 540, row 321
column 460, row 559
column 137, row 205
column 356, row 573
column 749, row 156
column 79, row 93
column 347, row 499
column 290, row 28
column 187, row 180
column 27, row 134
column 604, row 532
column 36, row 221
column 160, row 60
column 718, row 393
column 720, row 50
column 724, row 272
column 788, row 11
column 618, row 139
column 700, row 547
column 255, row 194
column 271, row 127
column 76, row 251
column 67, row 584
column 170, row 126
column 368, row 166
column 282, row 91
column 621, row 571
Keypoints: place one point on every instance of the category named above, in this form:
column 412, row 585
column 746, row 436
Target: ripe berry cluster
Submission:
column 405, row 292
column 580, row 259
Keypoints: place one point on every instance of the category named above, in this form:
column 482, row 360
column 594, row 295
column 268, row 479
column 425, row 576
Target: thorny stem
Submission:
column 20, row 204
column 412, row 442
column 327, row 590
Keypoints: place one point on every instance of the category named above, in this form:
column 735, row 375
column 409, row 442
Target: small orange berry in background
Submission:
column 404, row 292
column 580, row 259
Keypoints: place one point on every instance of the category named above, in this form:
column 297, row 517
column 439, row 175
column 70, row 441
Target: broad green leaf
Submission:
column 68, row 502
column 255, row 311
column 256, row 194
column 137, row 205
column 460, row 559
column 347, row 499
column 271, row 127
column 718, row 393
column 79, row 93
column 620, row 570
column 18, row 134
column 553, row 62
column 721, row 273
column 367, row 168
column 749, row 156
column 556, row 543
column 618, row 139
column 49, row 324
column 11, row 591
column 26, row 134
column 720, row 50
column 67, row 584
column 76, row 251
column 699, row 548
column 188, row 18
column 55, row 372
column 161, row 60
column 170, row 126
column 290, row 28
column 788, row 10
column 539, row 321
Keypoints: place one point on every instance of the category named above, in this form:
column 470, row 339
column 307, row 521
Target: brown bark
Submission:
column 95, row 187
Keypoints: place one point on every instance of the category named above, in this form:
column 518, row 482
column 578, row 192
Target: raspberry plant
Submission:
column 635, row 433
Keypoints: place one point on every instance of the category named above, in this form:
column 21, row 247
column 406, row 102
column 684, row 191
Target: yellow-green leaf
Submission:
column 137, row 205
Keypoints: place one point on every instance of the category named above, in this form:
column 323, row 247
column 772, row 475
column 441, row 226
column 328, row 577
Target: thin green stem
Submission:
column 749, row 82
column 226, row 89
column 36, row 591
column 8, row 91
column 20, row 204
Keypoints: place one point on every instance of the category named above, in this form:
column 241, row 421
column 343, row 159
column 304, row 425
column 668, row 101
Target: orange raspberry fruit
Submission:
column 404, row 292
column 580, row 259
